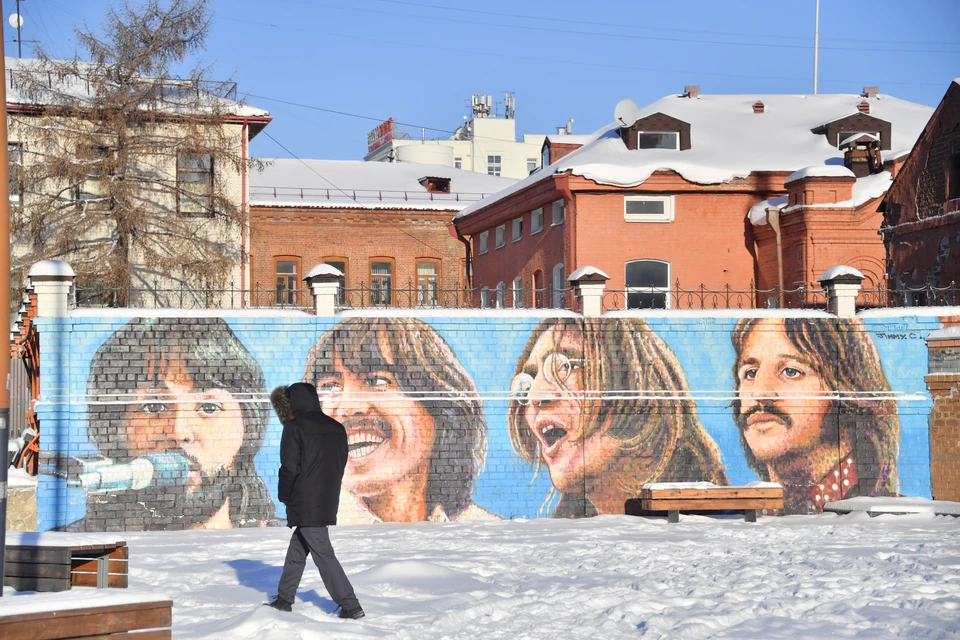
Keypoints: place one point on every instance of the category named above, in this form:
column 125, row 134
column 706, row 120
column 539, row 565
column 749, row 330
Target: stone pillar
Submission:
column 324, row 283
column 588, row 285
column 842, row 286
column 943, row 382
column 51, row 281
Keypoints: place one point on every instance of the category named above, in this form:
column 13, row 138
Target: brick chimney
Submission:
column 863, row 107
column 870, row 92
column 691, row 90
column 758, row 107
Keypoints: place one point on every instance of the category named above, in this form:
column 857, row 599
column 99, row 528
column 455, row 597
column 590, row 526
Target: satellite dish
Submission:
column 626, row 112
column 15, row 20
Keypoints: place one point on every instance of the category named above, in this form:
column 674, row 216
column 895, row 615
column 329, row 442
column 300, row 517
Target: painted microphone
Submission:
column 154, row 469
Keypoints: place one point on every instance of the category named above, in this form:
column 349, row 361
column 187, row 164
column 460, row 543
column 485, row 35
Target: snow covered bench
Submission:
column 52, row 561
column 49, row 616
column 674, row 497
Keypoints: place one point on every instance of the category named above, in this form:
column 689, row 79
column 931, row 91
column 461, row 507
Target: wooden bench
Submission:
column 674, row 497
column 60, row 616
column 53, row 561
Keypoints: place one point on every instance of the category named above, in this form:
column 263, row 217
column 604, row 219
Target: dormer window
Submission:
column 658, row 140
column 435, row 185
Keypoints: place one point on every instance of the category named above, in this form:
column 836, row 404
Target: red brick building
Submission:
column 921, row 226
column 664, row 195
column 384, row 225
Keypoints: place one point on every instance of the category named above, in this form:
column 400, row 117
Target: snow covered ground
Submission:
column 844, row 576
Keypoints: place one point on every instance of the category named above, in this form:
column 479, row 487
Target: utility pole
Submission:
column 4, row 308
column 816, row 47
column 19, row 37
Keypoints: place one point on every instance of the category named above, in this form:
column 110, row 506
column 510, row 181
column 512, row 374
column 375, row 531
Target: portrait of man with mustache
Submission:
column 813, row 409
column 415, row 427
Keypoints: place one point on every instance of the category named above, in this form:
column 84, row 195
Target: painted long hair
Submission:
column 654, row 420
column 845, row 357
column 423, row 363
column 213, row 357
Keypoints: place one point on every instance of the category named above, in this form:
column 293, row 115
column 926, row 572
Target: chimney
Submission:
column 691, row 90
column 863, row 107
column 870, row 92
column 758, row 107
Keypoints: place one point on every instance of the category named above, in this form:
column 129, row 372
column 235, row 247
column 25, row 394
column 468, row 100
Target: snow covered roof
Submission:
column 570, row 138
column 374, row 185
column 821, row 171
column 728, row 140
column 864, row 190
column 856, row 137
column 76, row 90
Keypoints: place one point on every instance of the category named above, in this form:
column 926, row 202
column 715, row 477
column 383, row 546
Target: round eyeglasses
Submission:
column 556, row 370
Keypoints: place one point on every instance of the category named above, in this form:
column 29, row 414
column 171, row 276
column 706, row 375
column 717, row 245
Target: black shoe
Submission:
column 280, row 604
column 353, row 614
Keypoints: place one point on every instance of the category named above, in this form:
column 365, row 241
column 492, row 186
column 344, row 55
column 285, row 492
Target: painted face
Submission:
column 206, row 425
column 782, row 407
column 390, row 435
column 549, row 388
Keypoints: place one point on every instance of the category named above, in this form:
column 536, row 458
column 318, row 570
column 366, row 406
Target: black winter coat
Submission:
column 313, row 454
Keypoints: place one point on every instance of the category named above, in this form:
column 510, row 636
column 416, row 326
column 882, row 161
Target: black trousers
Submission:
column 316, row 541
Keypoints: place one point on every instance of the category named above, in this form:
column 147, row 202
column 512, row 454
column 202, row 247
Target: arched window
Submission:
column 647, row 284
column 538, row 289
column 518, row 292
column 485, row 298
column 559, row 286
column 501, row 295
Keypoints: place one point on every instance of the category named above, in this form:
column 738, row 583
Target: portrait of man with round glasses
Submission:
column 605, row 408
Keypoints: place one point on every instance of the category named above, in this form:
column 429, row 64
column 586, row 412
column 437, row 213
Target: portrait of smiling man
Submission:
column 184, row 387
column 415, row 427
column 813, row 409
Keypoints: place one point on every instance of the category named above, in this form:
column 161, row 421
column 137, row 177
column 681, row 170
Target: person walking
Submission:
column 313, row 455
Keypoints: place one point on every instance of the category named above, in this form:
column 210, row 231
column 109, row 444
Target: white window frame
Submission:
column 666, row 216
column 536, row 220
column 664, row 290
column 483, row 244
column 561, row 206
column 485, row 298
column 660, row 133
column 458, row 163
column 501, row 295
column 500, row 237
column 518, row 292
column 516, row 233
column 559, row 284
column 494, row 167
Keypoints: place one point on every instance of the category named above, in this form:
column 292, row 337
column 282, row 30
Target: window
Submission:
column 428, row 272
column 518, row 292
column 458, row 163
column 531, row 165
column 545, row 156
column 501, row 237
column 951, row 171
column 287, row 270
column 558, row 211
column 93, row 194
column 517, row 230
column 558, row 286
column 493, row 165
column 648, row 284
column 538, row 289
column 536, row 220
column 484, row 242
column 381, row 282
column 501, row 295
column 485, row 298
column 648, row 208
column 15, row 160
column 341, row 265
column 658, row 140
column 195, row 184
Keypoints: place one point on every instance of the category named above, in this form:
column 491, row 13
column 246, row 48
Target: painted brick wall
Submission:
column 457, row 416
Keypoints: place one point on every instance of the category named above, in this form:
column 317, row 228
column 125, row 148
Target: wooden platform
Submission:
column 676, row 497
column 37, row 617
column 46, row 562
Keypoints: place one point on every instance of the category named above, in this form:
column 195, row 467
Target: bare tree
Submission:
column 128, row 173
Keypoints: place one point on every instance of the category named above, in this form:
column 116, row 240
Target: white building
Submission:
column 485, row 143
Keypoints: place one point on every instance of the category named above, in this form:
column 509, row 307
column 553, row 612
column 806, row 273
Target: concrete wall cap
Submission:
column 323, row 269
column 841, row 273
column 51, row 269
column 950, row 333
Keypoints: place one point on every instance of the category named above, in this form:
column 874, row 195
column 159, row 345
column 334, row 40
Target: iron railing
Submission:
column 704, row 298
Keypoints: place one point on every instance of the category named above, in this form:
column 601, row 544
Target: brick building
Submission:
column 384, row 225
column 921, row 226
column 702, row 172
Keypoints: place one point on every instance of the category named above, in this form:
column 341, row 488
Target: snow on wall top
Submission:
column 728, row 140
column 586, row 270
column 839, row 271
column 76, row 89
column 367, row 185
column 758, row 212
column 821, row 171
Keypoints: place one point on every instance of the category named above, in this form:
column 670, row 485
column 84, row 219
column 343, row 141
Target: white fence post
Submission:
column 51, row 281
column 324, row 283
column 842, row 285
column 589, row 284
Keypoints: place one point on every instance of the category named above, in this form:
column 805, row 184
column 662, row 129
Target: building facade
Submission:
column 672, row 200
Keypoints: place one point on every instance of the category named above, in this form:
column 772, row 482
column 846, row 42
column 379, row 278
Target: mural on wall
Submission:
column 462, row 418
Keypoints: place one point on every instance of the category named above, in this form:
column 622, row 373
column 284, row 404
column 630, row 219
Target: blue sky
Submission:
column 419, row 61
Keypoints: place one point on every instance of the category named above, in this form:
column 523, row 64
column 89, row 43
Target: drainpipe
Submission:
column 773, row 215
column 563, row 186
column 243, row 210
column 469, row 267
